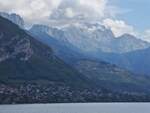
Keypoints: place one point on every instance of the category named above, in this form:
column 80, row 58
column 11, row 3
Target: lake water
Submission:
column 78, row 108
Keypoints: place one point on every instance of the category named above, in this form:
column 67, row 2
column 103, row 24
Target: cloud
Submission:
column 46, row 11
column 30, row 10
column 83, row 10
column 146, row 35
column 39, row 11
column 119, row 27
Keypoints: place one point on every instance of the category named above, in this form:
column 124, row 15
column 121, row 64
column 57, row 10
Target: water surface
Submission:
column 78, row 108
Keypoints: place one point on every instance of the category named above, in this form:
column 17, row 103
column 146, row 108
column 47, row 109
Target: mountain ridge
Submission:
column 15, row 18
column 83, row 35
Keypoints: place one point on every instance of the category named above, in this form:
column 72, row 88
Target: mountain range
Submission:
column 94, row 37
column 74, row 56
column 100, row 43
column 79, row 62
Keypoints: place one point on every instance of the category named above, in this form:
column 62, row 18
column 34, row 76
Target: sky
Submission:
column 138, row 14
column 121, row 16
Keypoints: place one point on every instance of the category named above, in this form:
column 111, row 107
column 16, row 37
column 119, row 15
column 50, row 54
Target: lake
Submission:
column 78, row 108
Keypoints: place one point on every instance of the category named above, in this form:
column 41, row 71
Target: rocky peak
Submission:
column 91, row 37
column 14, row 18
column 127, row 43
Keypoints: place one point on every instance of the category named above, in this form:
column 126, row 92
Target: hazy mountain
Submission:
column 94, row 37
column 136, row 61
column 86, row 37
column 14, row 18
column 129, row 43
column 66, row 51
column 139, row 61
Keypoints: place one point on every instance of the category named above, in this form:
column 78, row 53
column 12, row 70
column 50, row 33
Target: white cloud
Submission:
column 146, row 35
column 30, row 10
column 97, row 6
column 119, row 27
column 40, row 10
column 69, row 13
column 83, row 10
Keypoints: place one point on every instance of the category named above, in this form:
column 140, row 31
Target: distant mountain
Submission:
column 65, row 51
column 84, row 36
column 94, row 37
column 14, row 18
column 139, row 61
column 129, row 43
column 136, row 61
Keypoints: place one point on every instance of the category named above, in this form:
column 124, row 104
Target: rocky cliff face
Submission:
column 15, row 47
